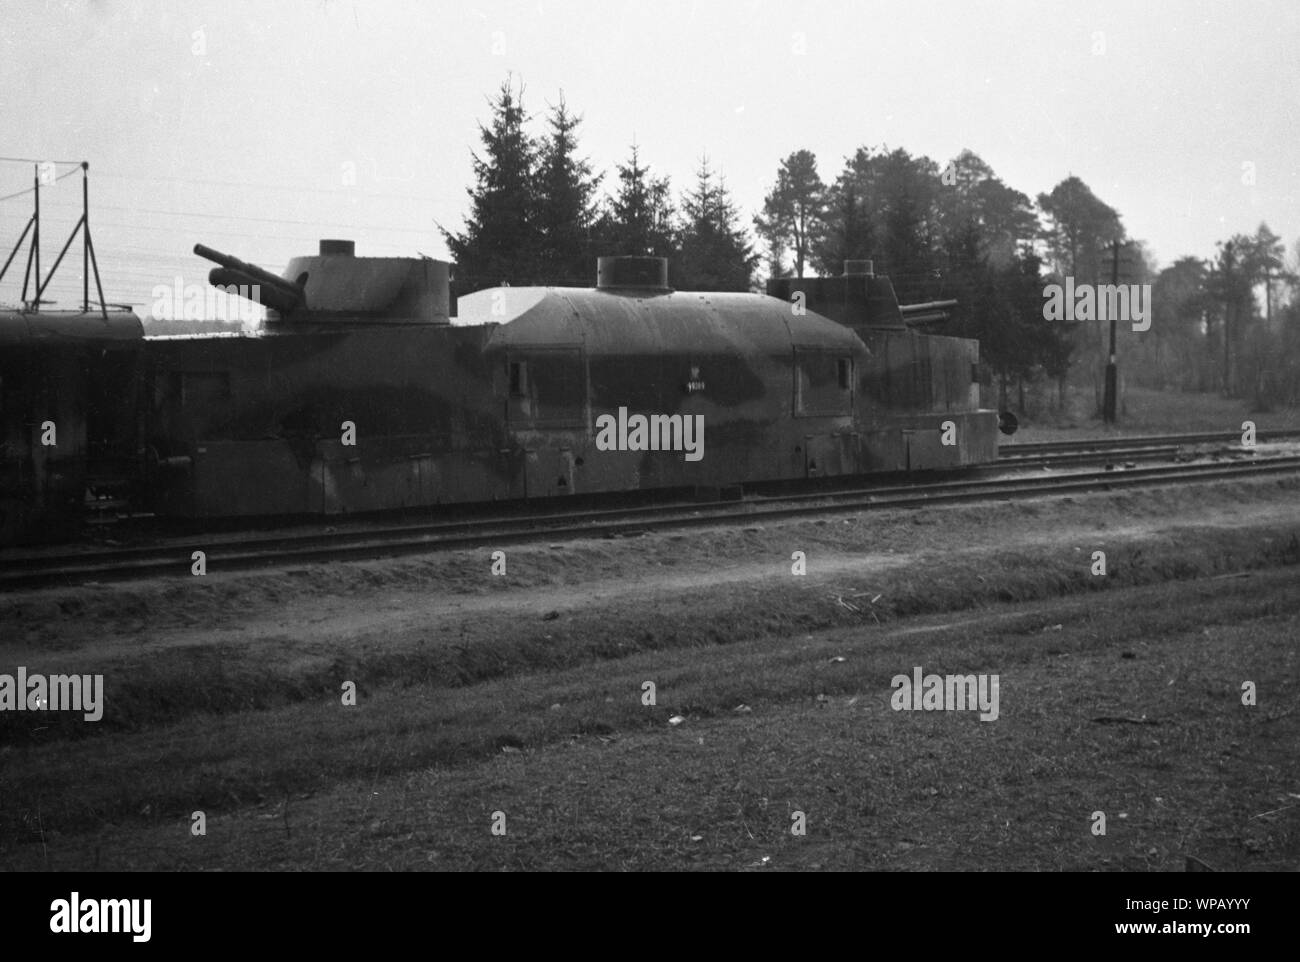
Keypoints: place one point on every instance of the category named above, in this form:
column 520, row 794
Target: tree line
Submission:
column 538, row 216
column 1229, row 325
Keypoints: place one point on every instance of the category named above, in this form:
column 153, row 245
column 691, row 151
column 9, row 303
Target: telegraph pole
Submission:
column 1112, row 378
column 1229, row 262
column 1268, row 297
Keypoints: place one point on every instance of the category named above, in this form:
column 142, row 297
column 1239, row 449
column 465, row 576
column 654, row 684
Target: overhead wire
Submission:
column 244, row 217
column 28, row 190
column 136, row 270
column 348, row 191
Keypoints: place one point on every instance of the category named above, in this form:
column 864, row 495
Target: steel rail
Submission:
column 1014, row 449
column 174, row 559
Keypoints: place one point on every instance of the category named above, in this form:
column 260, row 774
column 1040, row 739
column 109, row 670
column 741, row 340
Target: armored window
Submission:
column 823, row 384
column 558, row 387
column 549, row 388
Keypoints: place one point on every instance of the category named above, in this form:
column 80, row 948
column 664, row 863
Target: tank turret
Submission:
column 252, row 282
column 336, row 285
column 858, row 299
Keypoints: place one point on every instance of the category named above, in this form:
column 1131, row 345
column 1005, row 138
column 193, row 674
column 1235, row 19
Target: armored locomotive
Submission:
column 368, row 388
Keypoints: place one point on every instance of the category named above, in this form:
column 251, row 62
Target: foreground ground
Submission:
column 519, row 700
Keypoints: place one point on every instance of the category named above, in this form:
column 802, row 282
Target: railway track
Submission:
column 1169, row 447
column 1118, row 445
column 1047, row 459
column 224, row 554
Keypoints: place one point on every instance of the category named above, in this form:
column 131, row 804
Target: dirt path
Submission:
column 328, row 607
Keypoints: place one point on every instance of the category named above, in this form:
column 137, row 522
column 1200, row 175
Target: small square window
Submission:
column 823, row 384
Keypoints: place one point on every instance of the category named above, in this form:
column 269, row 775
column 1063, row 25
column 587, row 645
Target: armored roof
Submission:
column 626, row 321
column 67, row 327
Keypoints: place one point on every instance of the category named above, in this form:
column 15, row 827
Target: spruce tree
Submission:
column 566, row 208
column 715, row 254
column 640, row 215
column 498, row 244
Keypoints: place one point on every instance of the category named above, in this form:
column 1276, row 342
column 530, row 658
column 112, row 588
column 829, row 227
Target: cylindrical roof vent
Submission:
column 338, row 248
column 643, row 273
column 855, row 268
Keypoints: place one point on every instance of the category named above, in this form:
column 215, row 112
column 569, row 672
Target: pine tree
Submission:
column 499, row 244
column 1078, row 230
column 848, row 232
column 973, row 194
column 894, row 219
column 566, row 209
column 906, row 196
column 792, row 211
column 1079, row 227
column 715, row 253
column 1000, row 303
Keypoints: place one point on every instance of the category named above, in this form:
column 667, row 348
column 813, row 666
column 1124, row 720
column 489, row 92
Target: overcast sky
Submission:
column 246, row 144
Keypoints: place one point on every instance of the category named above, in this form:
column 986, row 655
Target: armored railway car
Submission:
column 367, row 389
column 70, row 425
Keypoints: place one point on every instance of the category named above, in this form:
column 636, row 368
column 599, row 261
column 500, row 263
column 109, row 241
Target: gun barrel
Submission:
column 927, row 307
column 251, row 287
column 256, row 274
column 932, row 312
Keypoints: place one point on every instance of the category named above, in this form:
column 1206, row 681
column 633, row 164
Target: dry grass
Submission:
column 588, row 777
column 535, row 709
